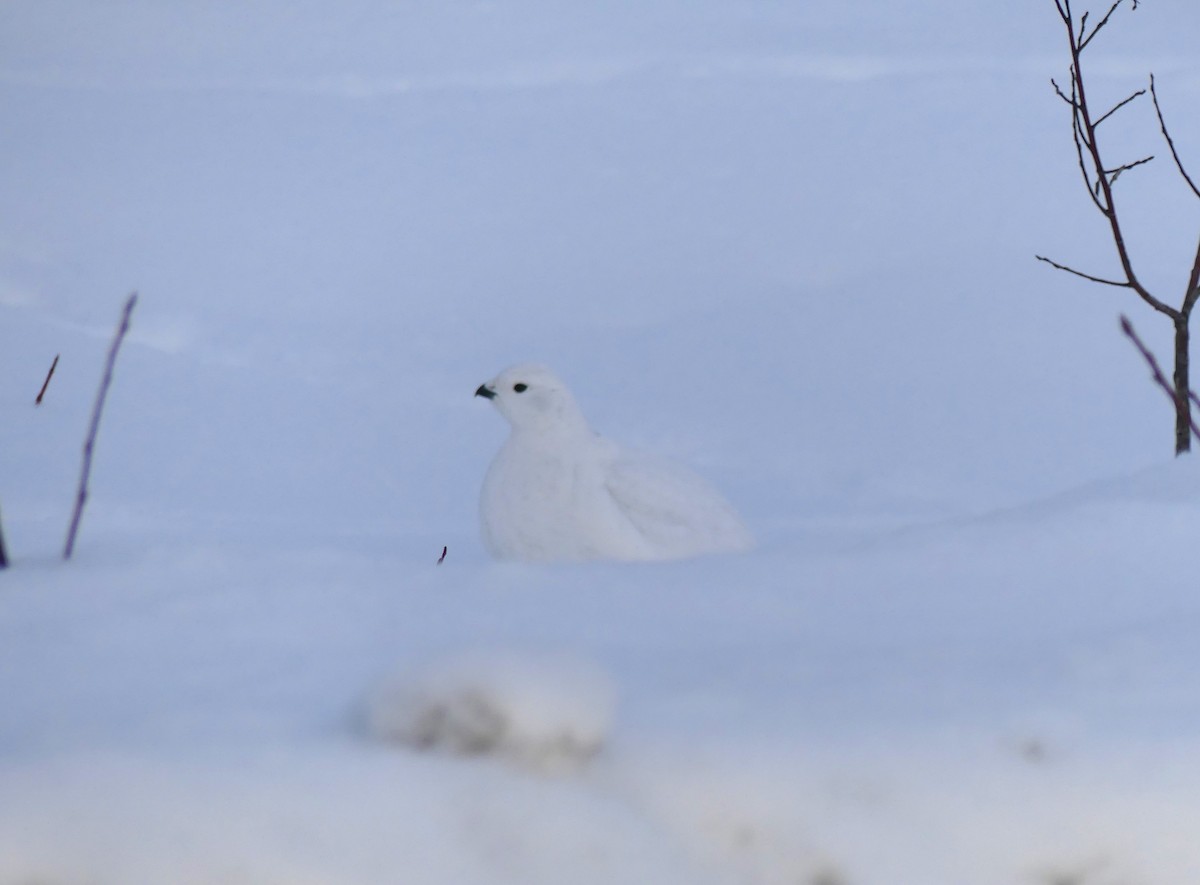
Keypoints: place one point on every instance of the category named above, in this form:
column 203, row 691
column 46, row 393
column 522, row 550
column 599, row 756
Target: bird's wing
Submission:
column 672, row 507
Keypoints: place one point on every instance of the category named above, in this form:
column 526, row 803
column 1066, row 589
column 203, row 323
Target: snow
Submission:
column 545, row 712
column 790, row 245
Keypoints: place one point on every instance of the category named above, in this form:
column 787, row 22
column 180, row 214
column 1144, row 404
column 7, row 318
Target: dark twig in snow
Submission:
column 3, row 552
column 46, row 383
column 97, row 410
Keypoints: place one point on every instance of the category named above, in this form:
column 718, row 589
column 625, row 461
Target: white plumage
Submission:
column 557, row 491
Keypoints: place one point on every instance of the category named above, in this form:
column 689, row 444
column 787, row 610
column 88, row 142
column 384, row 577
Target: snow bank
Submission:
column 544, row 712
column 327, row 814
column 340, row 223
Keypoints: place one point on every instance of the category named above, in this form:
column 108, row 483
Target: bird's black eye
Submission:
column 520, row 387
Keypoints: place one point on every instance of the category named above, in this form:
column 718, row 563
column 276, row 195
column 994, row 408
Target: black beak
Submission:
column 485, row 391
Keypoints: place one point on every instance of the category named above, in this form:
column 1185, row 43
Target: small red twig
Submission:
column 3, row 552
column 97, row 409
column 46, row 383
column 442, row 558
column 1156, row 371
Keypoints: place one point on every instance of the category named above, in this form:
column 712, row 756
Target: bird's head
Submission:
column 532, row 398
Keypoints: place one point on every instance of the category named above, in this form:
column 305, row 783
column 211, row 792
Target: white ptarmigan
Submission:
column 558, row 491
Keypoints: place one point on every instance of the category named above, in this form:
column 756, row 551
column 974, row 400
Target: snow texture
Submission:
column 558, row 491
column 547, row 713
column 789, row 244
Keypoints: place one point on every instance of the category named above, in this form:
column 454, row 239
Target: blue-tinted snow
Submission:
column 789, row 244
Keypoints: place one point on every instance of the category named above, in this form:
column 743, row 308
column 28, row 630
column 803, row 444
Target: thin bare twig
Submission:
column 1096, row 30
column 1156, row 371
column 1170, row 141
column 1082, row 145
column 1058, row 89
column 1100, row 182
column 1120, row 105
column 46, row 383
column 97, row 410
column 1114, row 173
column 3, row 552
column 1097, row 177
column 1193, row 289
column 1086, row 276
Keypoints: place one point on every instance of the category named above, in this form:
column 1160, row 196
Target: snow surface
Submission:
column 546, row 712
column 964, row 652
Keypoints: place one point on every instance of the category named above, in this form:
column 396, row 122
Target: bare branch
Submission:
column 1193, row 286
column 1099, row 183
column 46, row 383
column 1170, row 141
column 1085, row 149
column 1120, row 105
column 1086, row 276
column 1058, row 89
column 1156, row 371
column 1084, row 41
column 1114, row 173
column 3, row 552
column 97, row 409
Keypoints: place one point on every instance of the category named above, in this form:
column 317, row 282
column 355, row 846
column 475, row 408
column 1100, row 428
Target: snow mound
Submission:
column 548, row 713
